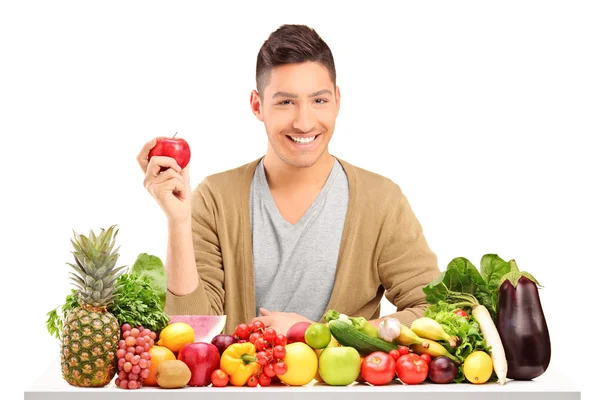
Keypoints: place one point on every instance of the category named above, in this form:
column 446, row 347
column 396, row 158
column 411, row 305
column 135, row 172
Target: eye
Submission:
column 284, row 102
column 322, row 101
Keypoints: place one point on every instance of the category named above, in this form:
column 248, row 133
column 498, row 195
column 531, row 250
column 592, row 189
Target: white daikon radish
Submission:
column 492, row 338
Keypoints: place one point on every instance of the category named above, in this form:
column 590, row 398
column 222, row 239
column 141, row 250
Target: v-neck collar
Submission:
column 248, row 298
column 270, row 201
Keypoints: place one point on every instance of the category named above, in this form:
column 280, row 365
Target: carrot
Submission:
column 492, row 338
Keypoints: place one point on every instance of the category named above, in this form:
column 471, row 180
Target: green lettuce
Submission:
column 152, row 267
column 467, row 329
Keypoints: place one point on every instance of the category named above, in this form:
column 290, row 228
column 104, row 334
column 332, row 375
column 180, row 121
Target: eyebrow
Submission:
column 295, row 96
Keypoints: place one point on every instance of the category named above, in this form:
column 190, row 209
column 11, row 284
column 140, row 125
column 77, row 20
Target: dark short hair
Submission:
column 291, row 44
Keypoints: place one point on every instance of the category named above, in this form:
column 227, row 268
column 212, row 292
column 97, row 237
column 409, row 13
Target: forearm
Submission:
column 182, row 275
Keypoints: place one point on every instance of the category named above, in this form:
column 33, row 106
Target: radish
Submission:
column 492, row 338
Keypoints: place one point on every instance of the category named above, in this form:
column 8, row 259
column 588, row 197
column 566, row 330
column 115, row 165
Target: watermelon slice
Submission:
column 206, row 327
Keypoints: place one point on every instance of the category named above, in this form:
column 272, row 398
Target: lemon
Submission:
column 478, row 367
column 302, row 364
column 176, row 335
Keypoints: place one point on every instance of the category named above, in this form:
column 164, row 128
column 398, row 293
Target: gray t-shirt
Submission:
column 295, row 264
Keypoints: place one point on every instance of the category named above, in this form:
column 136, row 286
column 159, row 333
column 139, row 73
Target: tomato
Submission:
column 395, row 354
column 252, row 381
column 426, row 357
column 264, row 380
column 242, row 331
column 411, row 369
column 378, row 368
column 258, row 326
column 403, row 350
column 219, row 378
column 461, row 313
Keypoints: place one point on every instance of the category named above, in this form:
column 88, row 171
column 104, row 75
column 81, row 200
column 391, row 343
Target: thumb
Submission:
column 264, row 311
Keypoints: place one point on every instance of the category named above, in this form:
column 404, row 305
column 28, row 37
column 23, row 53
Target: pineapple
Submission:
column 90, row 334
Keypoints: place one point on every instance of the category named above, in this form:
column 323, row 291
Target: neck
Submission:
column 283, row 176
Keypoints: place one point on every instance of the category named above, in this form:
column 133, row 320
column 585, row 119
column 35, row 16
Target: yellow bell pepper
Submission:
column 239, row 362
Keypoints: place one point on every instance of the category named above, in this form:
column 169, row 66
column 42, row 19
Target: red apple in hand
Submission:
column 176, row 148
column 202, row 359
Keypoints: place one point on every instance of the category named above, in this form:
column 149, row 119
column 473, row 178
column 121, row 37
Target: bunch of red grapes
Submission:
column 133, row 356
column 270, row 348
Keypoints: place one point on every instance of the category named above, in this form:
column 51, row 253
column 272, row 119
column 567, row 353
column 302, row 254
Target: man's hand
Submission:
column 280, row 321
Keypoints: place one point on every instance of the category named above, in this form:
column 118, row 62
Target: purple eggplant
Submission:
column 522, row 326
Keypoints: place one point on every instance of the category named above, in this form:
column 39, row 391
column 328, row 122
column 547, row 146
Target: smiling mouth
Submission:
column 303, row 139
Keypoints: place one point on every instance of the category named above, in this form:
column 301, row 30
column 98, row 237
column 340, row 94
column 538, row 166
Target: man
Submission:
column 297, row 232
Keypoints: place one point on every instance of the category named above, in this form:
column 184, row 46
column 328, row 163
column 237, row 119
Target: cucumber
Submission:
column 346, row 335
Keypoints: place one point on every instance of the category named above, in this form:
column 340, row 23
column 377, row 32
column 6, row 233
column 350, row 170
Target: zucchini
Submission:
column 346, row 335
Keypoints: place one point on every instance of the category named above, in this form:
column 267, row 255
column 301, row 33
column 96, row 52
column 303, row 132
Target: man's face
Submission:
column 299, row 108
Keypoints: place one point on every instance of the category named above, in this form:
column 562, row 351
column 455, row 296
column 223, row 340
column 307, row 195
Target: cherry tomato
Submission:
column 411, row 369
column 242, row 331
column 395, row 354
column 219, row 378
column 260, row 344
column 264, row 380
column 280, row 340
column 270, row 335
column 258, row 326
column 378, row 368
column 426, row 357
column 252, row 381
column 254, row 337
column 279, row 352
column 280, row 368
column 269, row 370
column 461, row 313
column 403, row 350
column 261, row 358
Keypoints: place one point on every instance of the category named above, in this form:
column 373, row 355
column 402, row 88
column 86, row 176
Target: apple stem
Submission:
column 174, row 135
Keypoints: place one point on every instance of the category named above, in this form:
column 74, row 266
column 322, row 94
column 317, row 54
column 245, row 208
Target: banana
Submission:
column 434, row 349
column 429, row 328
column 407, row 337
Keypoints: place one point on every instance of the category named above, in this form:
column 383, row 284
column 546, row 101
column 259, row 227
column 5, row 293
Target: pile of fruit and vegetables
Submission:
column 480, row 327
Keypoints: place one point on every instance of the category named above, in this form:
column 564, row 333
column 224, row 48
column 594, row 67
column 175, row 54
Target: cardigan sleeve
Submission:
column 406, row 263
column 209, row 296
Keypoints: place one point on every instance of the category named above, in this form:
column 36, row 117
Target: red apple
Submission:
column 176, row 148
column 202, row 359
column 296, row 332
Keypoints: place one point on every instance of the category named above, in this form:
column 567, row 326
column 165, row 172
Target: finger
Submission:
column 159, row 184
column 264, row 311
column 173, row 185
column 142, row 156
column 158, row 163
column 165, row 176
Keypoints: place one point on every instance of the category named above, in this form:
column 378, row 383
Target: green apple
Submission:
column 339, row 366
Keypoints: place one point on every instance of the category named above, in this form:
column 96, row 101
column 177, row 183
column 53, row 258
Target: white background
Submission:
column 484, row 114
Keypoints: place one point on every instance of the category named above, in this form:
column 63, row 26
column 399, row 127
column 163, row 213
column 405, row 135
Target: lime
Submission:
column 317, row 336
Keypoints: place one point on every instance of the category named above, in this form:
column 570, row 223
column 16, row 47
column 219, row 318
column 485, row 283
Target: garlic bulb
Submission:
column 389, row 329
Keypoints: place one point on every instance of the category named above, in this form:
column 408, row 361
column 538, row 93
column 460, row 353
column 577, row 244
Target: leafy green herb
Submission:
column 54, row 323
column 136, row 303
column 462, row 282
column 139, row 304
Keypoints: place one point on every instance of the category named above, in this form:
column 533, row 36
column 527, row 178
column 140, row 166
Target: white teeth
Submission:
column 303, row 140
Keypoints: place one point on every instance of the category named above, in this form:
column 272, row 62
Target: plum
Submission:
column 296, row 332
column 442, row 370
column 222, row 342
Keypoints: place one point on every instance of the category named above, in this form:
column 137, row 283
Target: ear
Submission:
column 255, row 105
column 337, row 99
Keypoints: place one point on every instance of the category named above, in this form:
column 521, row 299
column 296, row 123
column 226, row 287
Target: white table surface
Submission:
column 551, row 385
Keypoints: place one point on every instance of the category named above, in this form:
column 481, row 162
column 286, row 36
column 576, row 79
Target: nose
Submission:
column 304, row 120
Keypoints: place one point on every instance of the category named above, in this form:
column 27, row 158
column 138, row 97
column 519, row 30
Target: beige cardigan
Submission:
column 383, row 250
